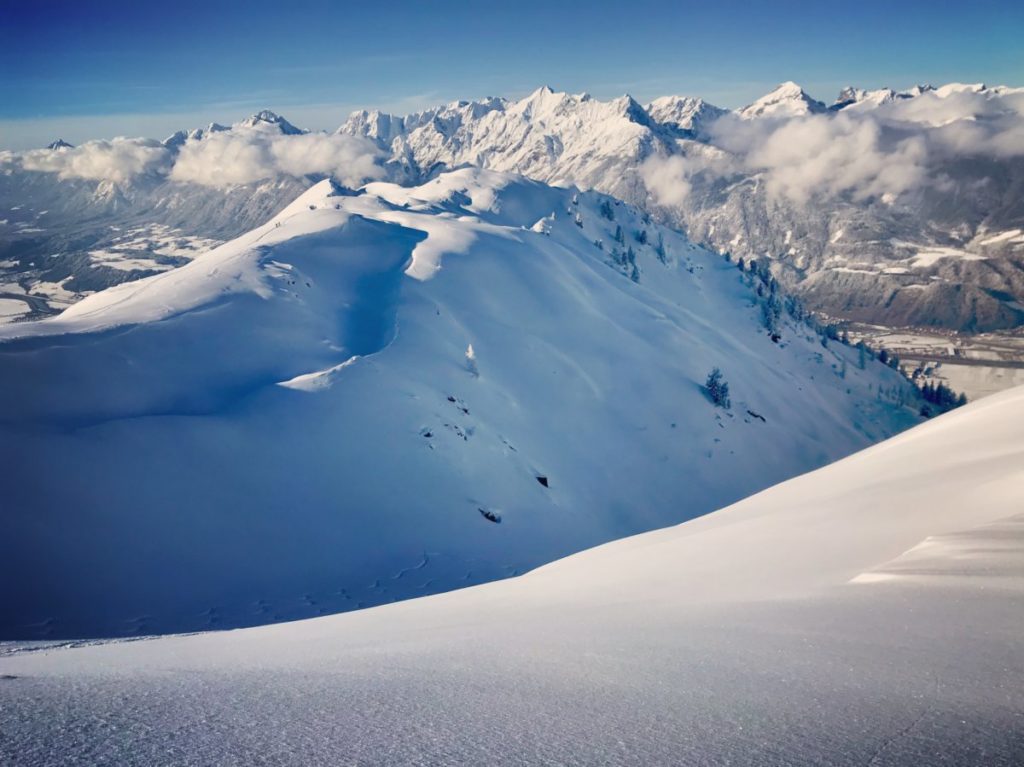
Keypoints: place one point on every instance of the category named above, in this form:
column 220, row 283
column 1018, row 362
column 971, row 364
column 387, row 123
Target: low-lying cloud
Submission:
column 860, row 154
column 117, row 160
column 233, row 157
column 219, row 159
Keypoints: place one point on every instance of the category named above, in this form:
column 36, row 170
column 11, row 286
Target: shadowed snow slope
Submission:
column 869, row 613
column 289, row 424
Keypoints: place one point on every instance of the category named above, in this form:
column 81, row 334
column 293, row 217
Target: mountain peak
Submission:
column 787, row 99
column 60, row 144
column 684, row 112
column 265, row 118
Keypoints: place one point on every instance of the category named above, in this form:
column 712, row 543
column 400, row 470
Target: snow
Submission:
column 11, row 308
column 787, row 100
column 684, row 112
column 1010, row 235
column 865, row 613
column 928, row 256
column 288, row 423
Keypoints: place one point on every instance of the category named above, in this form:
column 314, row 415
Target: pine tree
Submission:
column 717, row 389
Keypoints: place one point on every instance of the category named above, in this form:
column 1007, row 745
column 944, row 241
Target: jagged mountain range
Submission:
column 893, row 207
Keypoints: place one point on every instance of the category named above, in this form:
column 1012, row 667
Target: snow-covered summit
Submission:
column 60, row 144
column 178, row 138
column 684, row 112
column 786, row 100
column 267, row 120
column 858, row 98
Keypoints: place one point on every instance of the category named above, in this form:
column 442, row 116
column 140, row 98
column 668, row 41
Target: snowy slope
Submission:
column 290, row 424
column 869, row 613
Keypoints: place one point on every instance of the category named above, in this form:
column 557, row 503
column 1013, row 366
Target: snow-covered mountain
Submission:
column 893, row 208
column 787, row 100
column 888, row 207
column 392, row 392
column 684, row 113
column 867, row 613
column 82, row 219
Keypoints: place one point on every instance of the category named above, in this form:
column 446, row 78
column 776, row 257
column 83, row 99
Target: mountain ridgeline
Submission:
column 382, row 394
column 891, row 207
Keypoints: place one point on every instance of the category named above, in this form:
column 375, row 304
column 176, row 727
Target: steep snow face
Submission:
column 869, row 612
column 787, row 100
column 380, row 395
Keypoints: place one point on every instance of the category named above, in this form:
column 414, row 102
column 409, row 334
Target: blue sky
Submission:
column 86, row 70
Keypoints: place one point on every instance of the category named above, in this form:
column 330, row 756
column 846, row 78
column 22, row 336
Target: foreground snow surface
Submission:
column 868, row 613
column 289, row 425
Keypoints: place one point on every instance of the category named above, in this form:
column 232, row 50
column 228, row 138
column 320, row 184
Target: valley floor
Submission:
column 978, row 365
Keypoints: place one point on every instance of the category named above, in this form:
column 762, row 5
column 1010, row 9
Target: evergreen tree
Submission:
column 717, row 389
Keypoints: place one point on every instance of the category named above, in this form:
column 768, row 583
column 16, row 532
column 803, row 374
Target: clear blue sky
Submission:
column 90, row 69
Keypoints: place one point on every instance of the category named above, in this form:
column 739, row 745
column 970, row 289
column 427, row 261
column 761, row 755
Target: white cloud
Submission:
column 239, row 156
column 861, row 154
column 667, row 179
column 118, row 160
column 245, row 156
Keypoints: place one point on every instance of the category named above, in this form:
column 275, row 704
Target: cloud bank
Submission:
column 860, row 154
column 118, row 160
column 236, row 157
